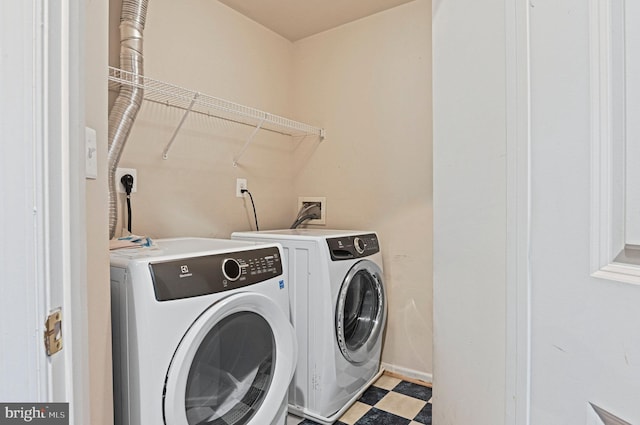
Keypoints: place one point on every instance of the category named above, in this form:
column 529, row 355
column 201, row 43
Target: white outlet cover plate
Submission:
column 121, row 172
column 241, row 184
column 91, row 153
column 323, row 207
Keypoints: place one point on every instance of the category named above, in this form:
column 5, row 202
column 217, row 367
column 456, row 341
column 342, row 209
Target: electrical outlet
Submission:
column 304, row 201
column 121, row 172
column 241, row 184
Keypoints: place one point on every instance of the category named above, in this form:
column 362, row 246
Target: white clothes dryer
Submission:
column 201, row 333
column 338, row 310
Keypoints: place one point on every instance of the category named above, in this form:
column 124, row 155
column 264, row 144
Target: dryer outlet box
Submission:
column 305, row 201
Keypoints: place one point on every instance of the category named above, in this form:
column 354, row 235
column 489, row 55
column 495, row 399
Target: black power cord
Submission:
column 254, row 207
column 127, row 182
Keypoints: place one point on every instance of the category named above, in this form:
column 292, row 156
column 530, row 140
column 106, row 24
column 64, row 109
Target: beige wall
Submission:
column 205, row 46
column 99, row 313
column 367, row 82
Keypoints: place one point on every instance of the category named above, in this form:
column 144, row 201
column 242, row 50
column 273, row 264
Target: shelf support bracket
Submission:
column 248, row 142
column 165, row 152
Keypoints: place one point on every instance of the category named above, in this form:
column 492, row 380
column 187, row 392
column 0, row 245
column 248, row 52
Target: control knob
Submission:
column 231, row 269
column 359, row 245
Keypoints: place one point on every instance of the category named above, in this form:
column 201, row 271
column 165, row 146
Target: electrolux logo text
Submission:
column 184, row 271
column 35, row 413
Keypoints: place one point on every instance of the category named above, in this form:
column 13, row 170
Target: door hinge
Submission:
column 53, row 332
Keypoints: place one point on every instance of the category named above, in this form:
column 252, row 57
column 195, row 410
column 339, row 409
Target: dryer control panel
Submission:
column 350, row 247
column 210, row 274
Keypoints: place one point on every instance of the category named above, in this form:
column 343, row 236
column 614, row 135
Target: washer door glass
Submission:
column 233, row 365
column 231, row 371
column 360, row 311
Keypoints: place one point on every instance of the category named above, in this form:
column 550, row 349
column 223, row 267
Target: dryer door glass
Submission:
column 360, row 311
column 231, row 371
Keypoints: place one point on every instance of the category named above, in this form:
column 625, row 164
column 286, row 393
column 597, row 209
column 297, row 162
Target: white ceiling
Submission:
column 296, row 19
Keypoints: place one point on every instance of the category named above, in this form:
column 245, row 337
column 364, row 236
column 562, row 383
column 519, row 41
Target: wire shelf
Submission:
column 195, row 102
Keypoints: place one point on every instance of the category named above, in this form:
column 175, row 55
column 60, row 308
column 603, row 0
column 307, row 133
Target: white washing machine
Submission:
column 201, row 333
column 338, row 309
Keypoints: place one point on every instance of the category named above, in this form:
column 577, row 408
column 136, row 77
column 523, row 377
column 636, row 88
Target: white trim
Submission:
column 64, row 203
column 518, row 309
column 64, row 197
column 55, row 54
column 601, row 140
column 619, row 272
column 76, row 292
column 608, row 175
column 626, row 46
column 41, row 193
column 409, row 373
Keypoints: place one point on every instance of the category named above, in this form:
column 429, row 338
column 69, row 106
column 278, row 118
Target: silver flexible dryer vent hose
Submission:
column 127, row 104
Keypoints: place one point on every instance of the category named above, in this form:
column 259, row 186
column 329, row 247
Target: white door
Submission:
column 42, row 260
column 535, row 116
column 585, row 320
column 21, row 297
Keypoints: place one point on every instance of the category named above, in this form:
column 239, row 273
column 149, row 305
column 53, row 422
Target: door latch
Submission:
column 53, row 332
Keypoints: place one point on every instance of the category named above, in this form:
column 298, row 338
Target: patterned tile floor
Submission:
column 389, row 401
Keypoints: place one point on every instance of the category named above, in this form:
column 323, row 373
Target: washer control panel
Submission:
column 350, row 247
column 210, row 274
